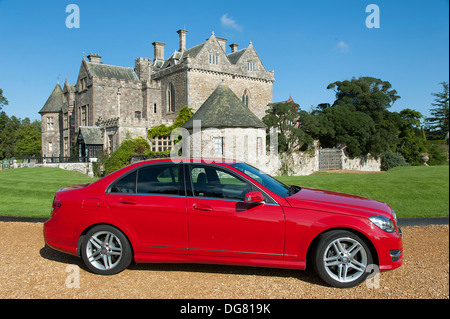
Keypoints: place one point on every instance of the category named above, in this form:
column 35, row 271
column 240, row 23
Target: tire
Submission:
column 106, row 250
column 341, row 258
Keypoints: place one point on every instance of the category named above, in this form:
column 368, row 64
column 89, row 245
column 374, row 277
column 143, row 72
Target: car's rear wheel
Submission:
column 341, row 258
column 106, row 250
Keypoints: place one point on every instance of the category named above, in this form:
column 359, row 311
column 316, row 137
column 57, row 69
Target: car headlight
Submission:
column 383, row 223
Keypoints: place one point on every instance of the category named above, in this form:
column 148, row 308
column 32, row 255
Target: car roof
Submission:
column 190, row 160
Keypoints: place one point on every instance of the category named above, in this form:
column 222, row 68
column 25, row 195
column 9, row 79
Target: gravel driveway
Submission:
column 28, row 269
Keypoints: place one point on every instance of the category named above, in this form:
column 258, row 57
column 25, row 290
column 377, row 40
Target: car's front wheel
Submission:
column 106, row 250
column 341, row 258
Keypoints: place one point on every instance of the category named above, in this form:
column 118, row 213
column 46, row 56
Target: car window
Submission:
column 217, row 183
column 267, row 181
column 127, row 184
column 159, row 179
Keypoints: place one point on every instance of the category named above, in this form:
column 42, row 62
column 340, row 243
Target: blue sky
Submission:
column 308, row 44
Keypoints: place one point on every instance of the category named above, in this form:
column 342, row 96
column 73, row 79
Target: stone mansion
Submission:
column 110, row 103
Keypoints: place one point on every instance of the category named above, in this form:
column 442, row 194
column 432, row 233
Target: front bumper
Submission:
column 390, row 250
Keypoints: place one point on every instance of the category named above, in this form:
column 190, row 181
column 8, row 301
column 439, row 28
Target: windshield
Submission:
column 266, row 180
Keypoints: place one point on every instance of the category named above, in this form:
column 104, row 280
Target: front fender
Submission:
column 304, row 226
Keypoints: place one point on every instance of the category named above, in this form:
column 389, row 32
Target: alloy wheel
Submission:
column 345, row 259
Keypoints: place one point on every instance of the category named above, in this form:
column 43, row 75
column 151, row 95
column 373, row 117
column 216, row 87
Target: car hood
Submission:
column 334, row 202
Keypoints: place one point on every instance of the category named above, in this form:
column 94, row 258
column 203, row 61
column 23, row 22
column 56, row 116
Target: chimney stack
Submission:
column 223, row 43
column 182, row 34
column 94, row 58
column 159, row 50
column 234, row 47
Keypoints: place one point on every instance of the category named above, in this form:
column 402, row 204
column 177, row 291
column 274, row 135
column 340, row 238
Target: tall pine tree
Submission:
column 437, row 123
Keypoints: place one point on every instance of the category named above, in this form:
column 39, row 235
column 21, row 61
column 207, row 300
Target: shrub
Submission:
column 390, row 160
column 122, row 156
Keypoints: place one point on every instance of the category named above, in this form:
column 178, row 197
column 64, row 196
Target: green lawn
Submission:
column 411, row 191
column 29, row 191
column 414, row 191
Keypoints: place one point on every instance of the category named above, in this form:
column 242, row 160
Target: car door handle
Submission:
column 202, row 207
column 127, row 201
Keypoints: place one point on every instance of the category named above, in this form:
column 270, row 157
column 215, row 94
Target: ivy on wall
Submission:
column 163, row 130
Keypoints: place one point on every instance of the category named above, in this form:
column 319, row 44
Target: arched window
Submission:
column 245, row 97
column 171, row 98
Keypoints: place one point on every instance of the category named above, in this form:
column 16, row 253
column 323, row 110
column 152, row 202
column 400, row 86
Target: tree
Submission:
column 3, row 100
column 8, row 138
column 369, row 96
column 284, row 116
column 28, row 138
column 19, row 137
column 365, row 94
column 437, row 124
column 351, row 129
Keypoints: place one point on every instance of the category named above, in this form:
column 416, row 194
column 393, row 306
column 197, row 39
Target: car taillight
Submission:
column 56, row 204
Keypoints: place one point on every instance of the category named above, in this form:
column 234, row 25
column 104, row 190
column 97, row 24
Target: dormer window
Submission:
column 213, row 58
column 251, row 66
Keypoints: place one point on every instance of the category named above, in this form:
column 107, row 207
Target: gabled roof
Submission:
column 235, row 56
column 91, row 135
column 179, row 56
column 112, row 71
column 54, row 102
column 224, row 109
column 194, row 51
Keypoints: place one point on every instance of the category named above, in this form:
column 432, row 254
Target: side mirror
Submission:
column 254, row 198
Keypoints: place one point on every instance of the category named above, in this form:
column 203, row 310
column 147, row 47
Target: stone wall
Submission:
column 306, row 163
column 240, row 145
column 202, row 83
column 362, row 163
column 84, row 168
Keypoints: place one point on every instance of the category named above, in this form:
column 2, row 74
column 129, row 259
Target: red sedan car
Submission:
column 198, row 211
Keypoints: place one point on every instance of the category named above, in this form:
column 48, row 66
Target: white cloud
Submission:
column 342, row 46
column 229, row 22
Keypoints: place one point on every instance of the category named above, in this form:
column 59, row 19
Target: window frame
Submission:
column 213, row 58
column 216, row 139
column 246, row 97
column 189, row 186
column 181, row 181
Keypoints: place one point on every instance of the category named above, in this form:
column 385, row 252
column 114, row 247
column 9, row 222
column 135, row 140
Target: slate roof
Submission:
column 92, row 135
column 112, row 71
column 224, row 109
column 194, row 51
column 54, row 102
column 235, row 56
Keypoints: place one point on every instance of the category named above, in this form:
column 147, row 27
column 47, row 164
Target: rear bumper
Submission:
column 55, row 239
